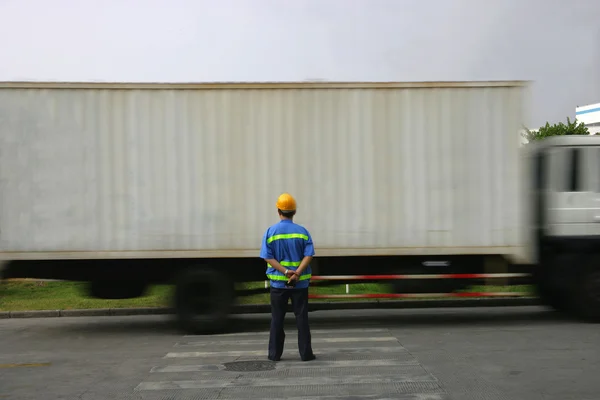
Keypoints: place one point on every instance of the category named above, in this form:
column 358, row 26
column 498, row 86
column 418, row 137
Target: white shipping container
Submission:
column 165, row 170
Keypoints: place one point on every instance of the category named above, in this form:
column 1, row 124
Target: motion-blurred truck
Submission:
column 423, row 185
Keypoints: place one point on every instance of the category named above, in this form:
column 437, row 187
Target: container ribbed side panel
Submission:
column 398, row 168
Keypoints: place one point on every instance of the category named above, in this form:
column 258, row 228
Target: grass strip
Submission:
column 26, row 295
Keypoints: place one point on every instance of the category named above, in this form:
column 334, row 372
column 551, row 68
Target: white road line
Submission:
column 313, row 331
column 288, row 339
column 411, row 396
column 298, row 381
column 284, row 365
column 240, row 353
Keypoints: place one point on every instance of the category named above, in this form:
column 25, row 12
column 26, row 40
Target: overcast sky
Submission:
column 556, row 43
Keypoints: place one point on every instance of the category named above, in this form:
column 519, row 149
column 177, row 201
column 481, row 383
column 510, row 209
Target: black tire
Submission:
column 203, row 300
column 548, row 292
column 554, row 299
column 586, row 293
column 554, row 282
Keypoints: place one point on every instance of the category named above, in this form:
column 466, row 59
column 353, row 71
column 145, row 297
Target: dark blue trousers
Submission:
column 279, row 302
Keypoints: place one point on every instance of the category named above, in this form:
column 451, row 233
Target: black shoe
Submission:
column 309, row 358
column 274, row 359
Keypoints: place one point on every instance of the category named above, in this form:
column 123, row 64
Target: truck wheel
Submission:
column 553, row 298
column 549, row 293
column 554, row 284
column 203, row 300
column 587, row 291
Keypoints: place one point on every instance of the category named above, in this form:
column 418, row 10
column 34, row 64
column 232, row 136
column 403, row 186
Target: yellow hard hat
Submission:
column 286, row 202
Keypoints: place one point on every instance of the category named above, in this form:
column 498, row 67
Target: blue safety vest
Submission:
column 288, row 243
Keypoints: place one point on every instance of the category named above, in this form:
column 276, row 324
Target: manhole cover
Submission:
column 250, row 366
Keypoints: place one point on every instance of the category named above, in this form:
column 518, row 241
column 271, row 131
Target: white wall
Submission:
column 590, row 116
column 594, row 130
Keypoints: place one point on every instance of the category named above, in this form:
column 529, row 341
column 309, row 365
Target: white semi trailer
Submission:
column 129, row 185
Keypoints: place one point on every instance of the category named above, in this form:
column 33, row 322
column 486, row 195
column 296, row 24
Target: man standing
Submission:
column 288, row 249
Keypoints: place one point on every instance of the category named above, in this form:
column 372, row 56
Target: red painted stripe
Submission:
column 425, row 276
column 415, row 295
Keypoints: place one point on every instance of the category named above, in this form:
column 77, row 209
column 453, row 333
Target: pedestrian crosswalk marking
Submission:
column 357, row 363
column 312, row 331
column 295, row 365
column 289, row 339
column 255, row 382
column 241, row 353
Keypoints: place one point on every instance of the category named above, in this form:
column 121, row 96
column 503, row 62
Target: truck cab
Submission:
column 565, row 222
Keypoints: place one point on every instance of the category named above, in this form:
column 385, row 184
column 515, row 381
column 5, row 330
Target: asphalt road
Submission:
column 502, row 353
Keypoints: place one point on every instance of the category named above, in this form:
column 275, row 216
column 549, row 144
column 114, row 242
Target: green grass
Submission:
column 511, row 289
column 36, row 295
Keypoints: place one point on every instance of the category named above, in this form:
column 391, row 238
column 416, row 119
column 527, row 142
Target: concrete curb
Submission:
column 94, row 312
column 266, row 308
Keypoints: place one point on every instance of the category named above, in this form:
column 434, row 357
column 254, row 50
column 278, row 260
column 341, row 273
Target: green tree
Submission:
column 560, row 129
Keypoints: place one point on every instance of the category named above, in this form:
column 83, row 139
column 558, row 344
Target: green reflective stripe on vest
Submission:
column 284, row 278
column 290, row 263
column 287, row 264
column 287, row 236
